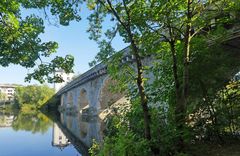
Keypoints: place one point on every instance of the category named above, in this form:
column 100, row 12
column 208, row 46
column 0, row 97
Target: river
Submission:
column 37, row 134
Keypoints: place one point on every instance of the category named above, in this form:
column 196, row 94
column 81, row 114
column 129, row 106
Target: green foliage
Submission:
column 210, row 117
column 227, row 109
column 124, row 144
column 217, row 118
column 21, row 44
column 95, row 148
column 33, row 97
column 66, row 10
column 3, row 96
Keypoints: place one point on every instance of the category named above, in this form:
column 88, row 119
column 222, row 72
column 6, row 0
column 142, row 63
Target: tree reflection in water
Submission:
column 35, row 122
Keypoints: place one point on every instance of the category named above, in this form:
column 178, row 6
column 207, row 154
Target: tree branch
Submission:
column 116, row 15
column 157, row 31
column 127, row 12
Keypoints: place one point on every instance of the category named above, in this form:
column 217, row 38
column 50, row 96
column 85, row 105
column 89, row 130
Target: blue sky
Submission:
column 72, row 39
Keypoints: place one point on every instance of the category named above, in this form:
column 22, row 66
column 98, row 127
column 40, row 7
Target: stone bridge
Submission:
column 84, row 99
column 89, row 93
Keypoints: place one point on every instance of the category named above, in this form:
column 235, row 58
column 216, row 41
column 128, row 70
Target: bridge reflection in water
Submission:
column 79, row 130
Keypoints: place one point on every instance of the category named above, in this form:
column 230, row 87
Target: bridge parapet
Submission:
column 91, row 74
column 95, row 72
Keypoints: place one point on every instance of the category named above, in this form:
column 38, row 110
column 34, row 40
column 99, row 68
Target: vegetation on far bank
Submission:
column 31, row 98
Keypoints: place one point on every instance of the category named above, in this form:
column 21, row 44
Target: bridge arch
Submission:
column 83, row 101
column 106, row 96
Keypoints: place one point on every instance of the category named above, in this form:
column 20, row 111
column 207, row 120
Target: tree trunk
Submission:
column 182, row 102
column 143, row 97
column 179, row 108
column 140, row 82
column 175, row 70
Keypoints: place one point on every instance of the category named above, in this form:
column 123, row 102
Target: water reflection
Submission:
column 6, row 119
column 35, row 134
column 36, row 122
column 62, row 134
column 85, row 128
column 59, row 139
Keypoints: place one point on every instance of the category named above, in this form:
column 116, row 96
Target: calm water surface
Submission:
column 33, row 135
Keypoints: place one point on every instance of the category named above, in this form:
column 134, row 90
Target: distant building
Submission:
column 8, row 90
column 58, row 138
column 66, row 78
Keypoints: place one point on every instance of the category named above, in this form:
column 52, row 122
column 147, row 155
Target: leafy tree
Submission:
column 173, row 26
column 33, row 96
column 20, row 43
column 149, row 25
